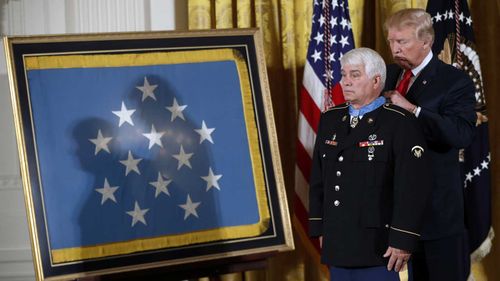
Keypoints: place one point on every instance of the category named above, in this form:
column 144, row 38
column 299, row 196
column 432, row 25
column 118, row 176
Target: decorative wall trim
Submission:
column 10, row 182
column 16, row 265
column 14, row 13
column 84, row 16
column 15, row 255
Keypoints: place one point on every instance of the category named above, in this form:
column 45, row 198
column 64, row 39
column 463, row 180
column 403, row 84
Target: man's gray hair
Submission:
column 373, row 62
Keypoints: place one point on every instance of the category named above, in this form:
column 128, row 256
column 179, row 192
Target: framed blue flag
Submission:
column 144, row 150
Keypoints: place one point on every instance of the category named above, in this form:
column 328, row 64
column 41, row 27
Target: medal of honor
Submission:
column 354, row 121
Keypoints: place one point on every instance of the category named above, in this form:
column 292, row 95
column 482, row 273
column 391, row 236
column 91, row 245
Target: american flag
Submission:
column 141, row 152
column 331, row 37
column 454, row 44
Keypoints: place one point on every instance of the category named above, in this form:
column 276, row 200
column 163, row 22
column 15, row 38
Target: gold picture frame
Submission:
column 146, row 150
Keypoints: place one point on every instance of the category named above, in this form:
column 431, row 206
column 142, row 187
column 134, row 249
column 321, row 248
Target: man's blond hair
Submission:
column 418, row 19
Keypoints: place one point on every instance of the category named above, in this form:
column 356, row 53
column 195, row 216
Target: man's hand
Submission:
column 397, row 258
column 396, row 98
column 321, row 242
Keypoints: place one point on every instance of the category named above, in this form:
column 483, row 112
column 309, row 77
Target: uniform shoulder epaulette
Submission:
column 340, row 106
column 395, row 108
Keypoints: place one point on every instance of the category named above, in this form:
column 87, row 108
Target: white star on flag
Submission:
column 154, row 137
column 328, row 74
column 450, row 14
column 344, row 23
column 343, row 40
column 333, row 40
column 125, row 115
column 205, row 133
column 321, row 20
column 161, row 185
column 147, row 90
column 445, row 15
column 176, row 110
column 461, row 17
column 331, row 57
column 477, row 171
column 101, row 143
column 316, row 56
column 438, row 17
column 335, row 4
column 183, row 158
column 190, row 207
column 138, row 214
column 468, row 21
column 333, row 21
column 318, row 38
column 212, row 179
column 468, row 177
column 131, row 164
column 107, row 192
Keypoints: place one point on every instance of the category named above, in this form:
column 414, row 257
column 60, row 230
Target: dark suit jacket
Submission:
column 361, row 202
column 447, row 119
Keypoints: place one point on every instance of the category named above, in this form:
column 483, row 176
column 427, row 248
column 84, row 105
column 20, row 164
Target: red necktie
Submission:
column 403, row 84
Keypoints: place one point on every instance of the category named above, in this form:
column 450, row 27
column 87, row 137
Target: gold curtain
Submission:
column 285, row 25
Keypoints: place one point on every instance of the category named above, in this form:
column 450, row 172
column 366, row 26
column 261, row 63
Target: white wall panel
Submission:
column 16, row 263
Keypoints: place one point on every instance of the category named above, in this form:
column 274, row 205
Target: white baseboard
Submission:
column 16, row 265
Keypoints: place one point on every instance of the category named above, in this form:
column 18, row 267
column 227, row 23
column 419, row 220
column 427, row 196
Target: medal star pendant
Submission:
column 354, row 121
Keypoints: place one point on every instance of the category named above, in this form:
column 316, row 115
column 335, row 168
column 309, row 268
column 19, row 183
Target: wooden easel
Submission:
column 211, row 269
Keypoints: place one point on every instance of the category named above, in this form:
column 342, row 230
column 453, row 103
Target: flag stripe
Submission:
column 337, row 95
column 310, row 111
column 313, row 85
column 301, row 189
column 306, row 135
column 303, row 161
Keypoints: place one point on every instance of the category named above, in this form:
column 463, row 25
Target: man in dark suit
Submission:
column 369, row 181
column 442, row 99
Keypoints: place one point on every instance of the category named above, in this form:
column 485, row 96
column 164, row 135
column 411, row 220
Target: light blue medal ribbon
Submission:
column 356, row 113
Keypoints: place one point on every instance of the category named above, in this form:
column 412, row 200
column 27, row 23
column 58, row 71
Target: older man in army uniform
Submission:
column 369, row 181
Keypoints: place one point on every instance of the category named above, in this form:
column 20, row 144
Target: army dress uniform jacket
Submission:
column 447, row 118
column 369, row 185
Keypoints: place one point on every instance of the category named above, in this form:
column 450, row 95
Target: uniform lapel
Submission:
column 342, row 127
